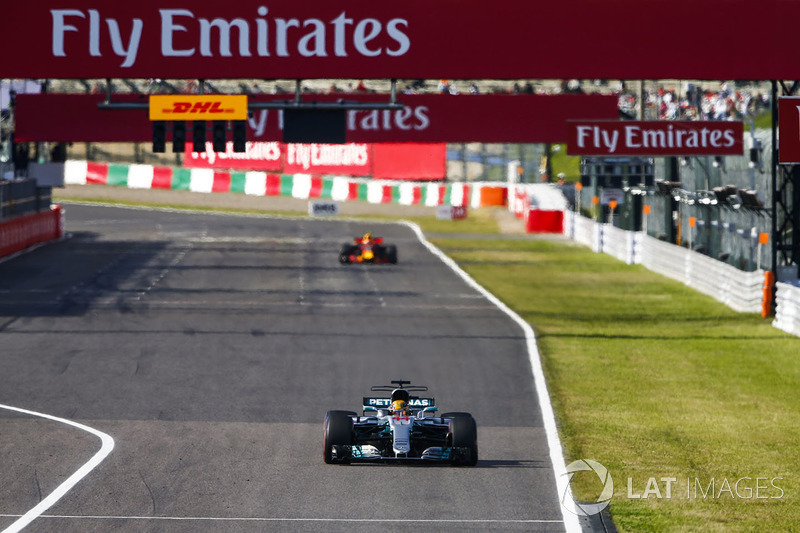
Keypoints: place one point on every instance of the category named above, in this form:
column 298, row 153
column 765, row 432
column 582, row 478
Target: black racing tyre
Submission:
column 456, row 414
column 338, row 431
column 391, row 254
column 464, row 434
column 344, row 253
column 338, row 412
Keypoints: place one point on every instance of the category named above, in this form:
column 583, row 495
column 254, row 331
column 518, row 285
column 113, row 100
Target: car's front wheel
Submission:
column 338, row 431
column 464, row 434
column 391, row 254
column 344, row 253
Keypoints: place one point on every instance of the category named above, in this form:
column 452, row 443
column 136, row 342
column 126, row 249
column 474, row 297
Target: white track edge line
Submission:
column 301, row 519
column 71, row 481
column 571, row 521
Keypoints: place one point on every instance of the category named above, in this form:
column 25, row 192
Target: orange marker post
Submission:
column 612, row 204
column 766, row 300
column 763, row 238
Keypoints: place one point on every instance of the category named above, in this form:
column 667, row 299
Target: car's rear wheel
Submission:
column 338, row 431
column 391, row 254
column 464, row 434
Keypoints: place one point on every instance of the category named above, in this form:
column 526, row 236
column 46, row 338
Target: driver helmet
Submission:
column 367, row 237
column 399, row 407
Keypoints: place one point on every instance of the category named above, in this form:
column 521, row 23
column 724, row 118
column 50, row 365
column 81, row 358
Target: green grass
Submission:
column 568, row 164
column 762, row 121
column 653, row 379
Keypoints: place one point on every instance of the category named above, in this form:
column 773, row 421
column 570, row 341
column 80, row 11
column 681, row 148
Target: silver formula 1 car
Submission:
column 401, row 427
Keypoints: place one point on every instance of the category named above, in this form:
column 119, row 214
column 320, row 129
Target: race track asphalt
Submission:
column 209, row 347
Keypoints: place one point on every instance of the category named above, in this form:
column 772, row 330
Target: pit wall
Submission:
column 746, row 292
column 20, row 233
column 302, row 186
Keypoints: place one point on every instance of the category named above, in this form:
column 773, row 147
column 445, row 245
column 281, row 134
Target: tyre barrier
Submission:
column 302, row 186
column 23, row 232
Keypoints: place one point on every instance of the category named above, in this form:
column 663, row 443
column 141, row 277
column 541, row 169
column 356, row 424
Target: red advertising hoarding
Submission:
column 405, row 161
column 286, row 39
column 425, row 118
column 263, row 156
column 789, row 128
column 409, row 161
column 655, row 138
column 352, row 159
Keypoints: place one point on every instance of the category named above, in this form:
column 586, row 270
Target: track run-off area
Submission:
column 170, row 370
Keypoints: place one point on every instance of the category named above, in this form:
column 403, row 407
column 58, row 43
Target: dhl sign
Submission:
column 198, row 107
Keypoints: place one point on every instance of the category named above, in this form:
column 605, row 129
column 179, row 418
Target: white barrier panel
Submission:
column 787, row 308
column 301, row 186
column 75, row 172
column 140, row 176
column 585, row 232
column 340, row 190
column 201, row 180
column 739, row 290
column 624, row 245
column 255, row 183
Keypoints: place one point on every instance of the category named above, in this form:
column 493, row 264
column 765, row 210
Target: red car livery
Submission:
column 368, row 250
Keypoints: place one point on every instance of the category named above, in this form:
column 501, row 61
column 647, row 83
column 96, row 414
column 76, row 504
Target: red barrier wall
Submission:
column 23, row 232
column 409, row 161
column 541, row 221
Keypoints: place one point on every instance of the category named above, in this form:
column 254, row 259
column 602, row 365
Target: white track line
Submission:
column 278, row 519
column 571, row 521
column 71, row 481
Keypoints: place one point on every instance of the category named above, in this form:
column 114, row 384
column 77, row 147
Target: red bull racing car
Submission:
column 368, row 249
column 400, row 428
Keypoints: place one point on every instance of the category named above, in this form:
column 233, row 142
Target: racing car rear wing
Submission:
column 385, row 403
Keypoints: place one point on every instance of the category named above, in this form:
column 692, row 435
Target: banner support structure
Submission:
column 297, row 103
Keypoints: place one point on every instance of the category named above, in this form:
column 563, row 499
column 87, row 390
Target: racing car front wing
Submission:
column 366, row 453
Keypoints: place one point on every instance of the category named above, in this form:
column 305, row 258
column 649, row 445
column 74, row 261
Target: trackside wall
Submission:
column 23, row 232
column 739, row 290
column 787, row 308
column 302, row 186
